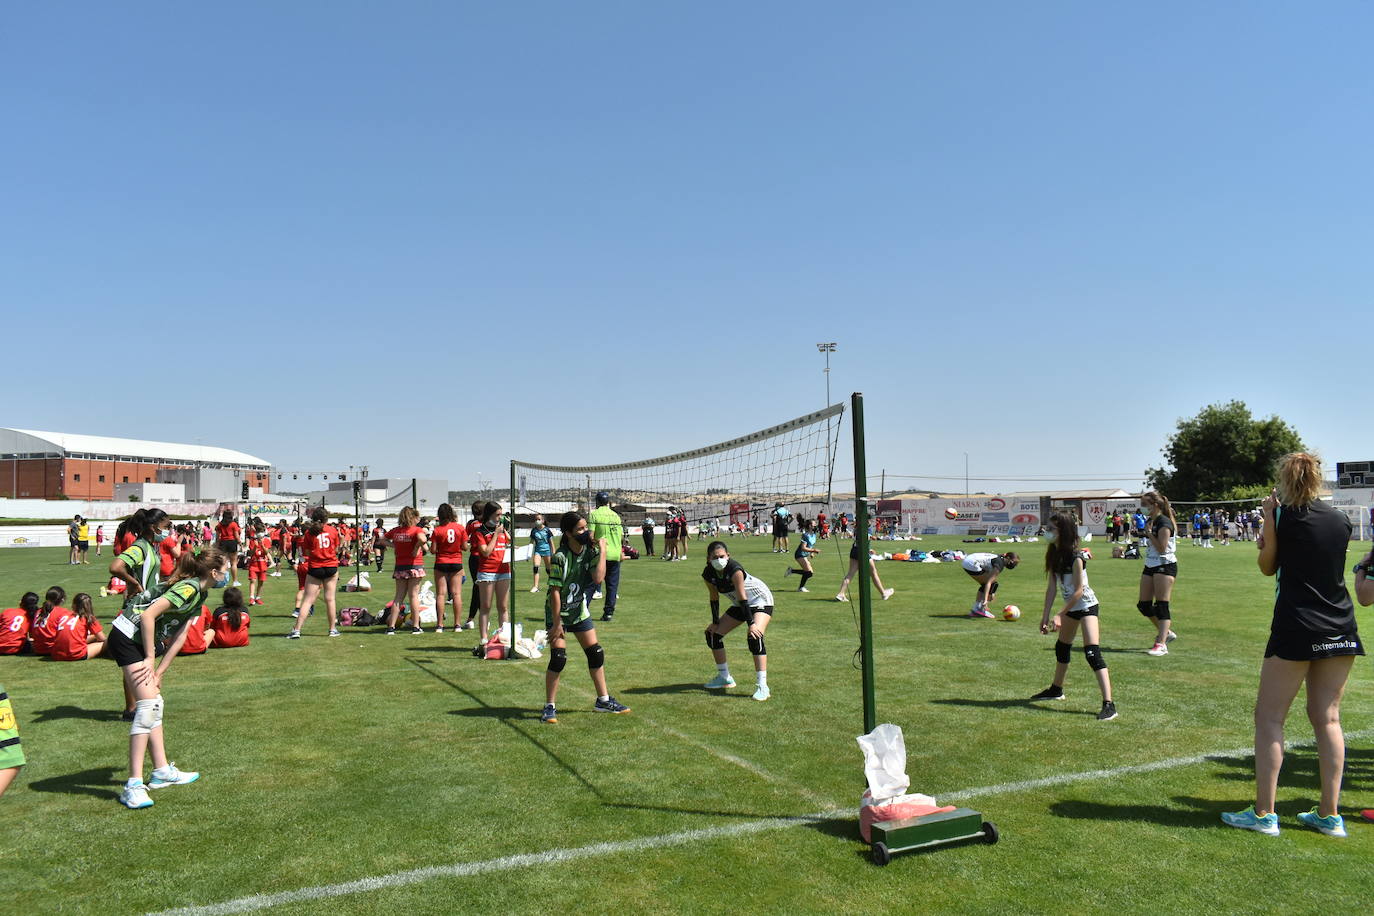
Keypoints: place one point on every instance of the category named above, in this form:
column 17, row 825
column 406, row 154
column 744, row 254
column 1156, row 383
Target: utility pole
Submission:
column 827, row 348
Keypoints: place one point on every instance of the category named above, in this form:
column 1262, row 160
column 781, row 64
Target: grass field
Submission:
column 366, row 758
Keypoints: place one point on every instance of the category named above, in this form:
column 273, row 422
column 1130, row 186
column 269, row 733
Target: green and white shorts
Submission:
column 11, row 752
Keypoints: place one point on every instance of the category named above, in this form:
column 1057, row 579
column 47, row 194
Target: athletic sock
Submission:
column 762, row 678
column 724, row 669
column 804, row 577
column 603, row 699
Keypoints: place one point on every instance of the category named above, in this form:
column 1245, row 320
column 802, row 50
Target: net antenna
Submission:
column 729, row 483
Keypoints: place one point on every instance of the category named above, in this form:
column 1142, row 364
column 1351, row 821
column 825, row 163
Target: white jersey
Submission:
column 1152, row 555
column 1086, row 600
column 756, row 593
column 979, row 562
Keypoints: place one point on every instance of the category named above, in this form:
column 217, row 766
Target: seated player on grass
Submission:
column 230, row 622
column 48, row 619
column 79, row 635
column 578, row 566
column 15, row 623
column 750, row 603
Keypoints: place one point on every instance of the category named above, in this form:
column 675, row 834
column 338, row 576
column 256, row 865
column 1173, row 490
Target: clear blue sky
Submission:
column 433, row 236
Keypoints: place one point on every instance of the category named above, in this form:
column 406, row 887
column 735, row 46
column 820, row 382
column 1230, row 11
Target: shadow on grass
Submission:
column 1301, row 769
column 495, row 712
column 1187, row 812
column 76, row 712
column 1013, row 704
column 963, row 616
column 99, row 782
column 507, row 716
column 466, row 650
column 694, row 687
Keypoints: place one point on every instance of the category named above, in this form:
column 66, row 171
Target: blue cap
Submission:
column 602, row 498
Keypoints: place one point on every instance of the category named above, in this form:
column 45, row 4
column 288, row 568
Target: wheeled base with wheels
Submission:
column 931, row 830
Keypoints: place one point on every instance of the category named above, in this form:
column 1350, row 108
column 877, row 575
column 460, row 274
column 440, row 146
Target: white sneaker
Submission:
column 1158, row 649
column 171, row 776
column 235, row 584
column 842, row 597
column 803, row 589
column 135, row 797
column 1171, row 637
column 888, row 593
column 533, row 590
column 335, row 633
column 438, row 629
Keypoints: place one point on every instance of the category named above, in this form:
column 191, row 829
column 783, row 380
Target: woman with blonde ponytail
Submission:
column 1160, row 570
column 1313, row 640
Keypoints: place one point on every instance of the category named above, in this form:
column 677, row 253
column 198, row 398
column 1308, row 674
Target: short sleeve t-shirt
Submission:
column 542, row 541
column 166, row 556
column 1065, row 577
column 1153, row 557
column 14, row 629
column 226, row 636
column 573, row 576
column 756, row 594
column 406, row 542
column 449, row 541
column 187, row 599
column 322, row 548
column 499, row 559
column 979, row 563
column 143, row 561
column 46, row 633
column 69, row 639
column 1310, row 593
column 227, row 532
column 472, row 528
column 195, row 633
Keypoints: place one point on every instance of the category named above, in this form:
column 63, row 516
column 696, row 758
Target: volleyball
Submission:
column 1011, row 612
column 951, row 513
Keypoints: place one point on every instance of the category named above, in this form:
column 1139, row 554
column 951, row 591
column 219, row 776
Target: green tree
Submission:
column 1221, row 449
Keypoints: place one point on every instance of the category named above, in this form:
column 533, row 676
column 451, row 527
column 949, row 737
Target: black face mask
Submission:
column 489, row 527
column 583, row 537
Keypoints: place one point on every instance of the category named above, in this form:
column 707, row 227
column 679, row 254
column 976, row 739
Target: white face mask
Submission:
column 720, row 563
column 1051, row 535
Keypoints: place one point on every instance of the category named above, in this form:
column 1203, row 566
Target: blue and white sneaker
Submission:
column 719, row 682
column 762, row 693
column 1249, row 820
column 610, row 704
column 171, row 776
column 549, row 715
column 135, row 796
column 1331, row 826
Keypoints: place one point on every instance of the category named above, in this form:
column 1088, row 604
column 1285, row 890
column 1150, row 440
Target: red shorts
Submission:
column 257, row 573
column 300, row 575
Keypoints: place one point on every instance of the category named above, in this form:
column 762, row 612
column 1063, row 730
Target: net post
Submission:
column 358, row 527
column 861, row 545
column 513, row 589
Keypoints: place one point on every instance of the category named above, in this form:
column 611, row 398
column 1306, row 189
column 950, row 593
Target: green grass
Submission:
column 327, row 761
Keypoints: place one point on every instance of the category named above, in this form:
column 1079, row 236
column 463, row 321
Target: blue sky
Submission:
column 429, row 237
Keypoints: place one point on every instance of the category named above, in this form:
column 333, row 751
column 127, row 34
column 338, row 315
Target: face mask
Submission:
column 583, row 537
column 489, row 527
column 1051, row 535
column 720, row 563
column 220, row 581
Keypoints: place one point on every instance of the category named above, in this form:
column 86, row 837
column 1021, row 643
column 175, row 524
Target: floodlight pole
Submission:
column 827, row 348
column 861, row 547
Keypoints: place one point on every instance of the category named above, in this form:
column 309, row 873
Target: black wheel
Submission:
column 989, row 832
column 880, row 854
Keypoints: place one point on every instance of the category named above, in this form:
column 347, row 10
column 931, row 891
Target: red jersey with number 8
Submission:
column 449, row 541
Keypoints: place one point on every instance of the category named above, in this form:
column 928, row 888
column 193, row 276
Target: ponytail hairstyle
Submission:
column 1161, row 504
column 319, row 517
column 446, row 514
column 566, row 523
column 29, row 605
column 1300, row 478
column 145, row 522
column 198, row 566
column 232, row 606
column 1059, row 555
column 54, row 598
column 84, row 608
column 408, row 517
column 1012, row 559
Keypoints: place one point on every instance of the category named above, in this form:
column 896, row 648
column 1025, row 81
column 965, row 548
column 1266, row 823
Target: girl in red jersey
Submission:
column 227, row 540
column 198, row 633
column 99, row 538
column 15, row 623
column 322, row 570
column 475, row 604
column 408, row 539
column 79, row 636
column 48, row 619
column 168, row 552
column 230, row 622
column 449, row 539
column 491, row 545
column 259, row 558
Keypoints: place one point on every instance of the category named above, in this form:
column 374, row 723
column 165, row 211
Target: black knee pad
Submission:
column 992, row 591
column 1061, row 651
column 1162, row 610
column 1145, row 607
column 715, row 641
column 756, row 646
column 1093, row 654
column 557, row 659
column 595, row 656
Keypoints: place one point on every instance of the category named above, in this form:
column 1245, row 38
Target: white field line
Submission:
column 707, row 834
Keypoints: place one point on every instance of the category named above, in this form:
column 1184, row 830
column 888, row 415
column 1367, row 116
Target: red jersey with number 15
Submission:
column 322, row 549
column 449, row 541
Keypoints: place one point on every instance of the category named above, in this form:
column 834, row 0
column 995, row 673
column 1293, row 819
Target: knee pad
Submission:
column 557, row 659
column 1145, row 607
column 147, row 716
column 1093, row 654
column 1061, row 652
column 1162, row 610
column 596, row 657
column 993, row 590
column 715, row 640
column 756, row 646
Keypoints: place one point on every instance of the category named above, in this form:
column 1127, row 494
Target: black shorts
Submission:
column 1086, row 612
column 779, row 530
column 854, row 551
column 123, row 650
column 83, row 545
column 447, row 569
column 1163, row 569
column 800, row 556
column 322, row 573
column 228, row 547
column 742, row 613
column 1305, row 646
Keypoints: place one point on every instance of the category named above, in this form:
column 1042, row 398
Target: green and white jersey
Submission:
column 572, row 574
column 187, row 599
column 143, row 561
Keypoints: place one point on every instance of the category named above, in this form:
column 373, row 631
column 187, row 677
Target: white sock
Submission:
column 133, row 781
column 724, row 669
column 762, row 678
column 603, row 699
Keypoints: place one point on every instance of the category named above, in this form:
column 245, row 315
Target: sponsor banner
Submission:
column 996, row 517
column 1094, row 511
column 20, row 541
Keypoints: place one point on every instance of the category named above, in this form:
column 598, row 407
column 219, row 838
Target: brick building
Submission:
column 41, row 465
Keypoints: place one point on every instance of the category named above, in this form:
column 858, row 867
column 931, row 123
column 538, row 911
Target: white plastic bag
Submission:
column 428, row 613
column 885, row 762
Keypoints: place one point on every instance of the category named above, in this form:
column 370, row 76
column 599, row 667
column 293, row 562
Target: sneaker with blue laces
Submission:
column 610, row 704
column 1331, row 826
column 719, row 682
column 135, row 796
column 549, row 715
column 1249, row 820
column 171, row 776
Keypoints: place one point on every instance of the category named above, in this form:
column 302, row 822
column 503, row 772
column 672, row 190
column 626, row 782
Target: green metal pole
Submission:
column 358, row 527
column 513, row 564
column 861, row 544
